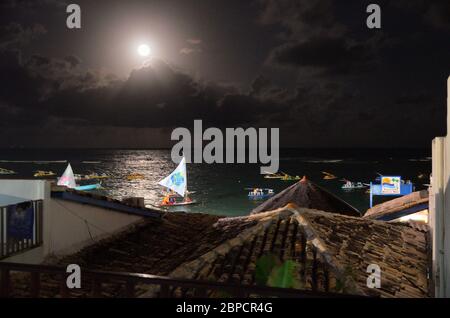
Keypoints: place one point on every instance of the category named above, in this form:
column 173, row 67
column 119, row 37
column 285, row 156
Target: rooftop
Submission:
column 307, row 194
column 332, row 251
column 398, row 207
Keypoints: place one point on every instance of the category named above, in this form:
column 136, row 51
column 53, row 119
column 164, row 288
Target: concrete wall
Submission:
column 27, row 189
column 440, row 209
column 67, row 226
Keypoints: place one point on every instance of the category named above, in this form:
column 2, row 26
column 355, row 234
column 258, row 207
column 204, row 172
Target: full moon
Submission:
column 143, row 50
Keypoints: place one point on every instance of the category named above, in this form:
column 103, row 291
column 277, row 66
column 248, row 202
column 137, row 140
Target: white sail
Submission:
column 68, row 178
column 177, row 180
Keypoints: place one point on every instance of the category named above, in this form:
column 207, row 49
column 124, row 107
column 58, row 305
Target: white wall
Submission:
column 27, row 189
column 440, row 209
column 67, row 226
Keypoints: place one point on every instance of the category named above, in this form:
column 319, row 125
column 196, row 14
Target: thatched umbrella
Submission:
column 307, row 195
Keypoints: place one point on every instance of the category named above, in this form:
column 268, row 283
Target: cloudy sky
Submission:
column 309, row 67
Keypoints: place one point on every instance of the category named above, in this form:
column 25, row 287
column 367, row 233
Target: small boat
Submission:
column 135, row 176
column 353, row 185
column 88, row 187
column 328, row 176
column 173, row 199
column 91, row 176
column 44, row 174
column 176, row 182
column 6, row 171
column 260, row 193
column 287, row 177
column 269, row 175
column 68, row 180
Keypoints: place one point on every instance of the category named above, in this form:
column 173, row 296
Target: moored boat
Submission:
column 68, row 180
column 287, row 177
column 6, row 171
column 328, row 176
column 44, row 174
column 278, row 175
column 135, row 176
column 260, row 193
column 349, row 185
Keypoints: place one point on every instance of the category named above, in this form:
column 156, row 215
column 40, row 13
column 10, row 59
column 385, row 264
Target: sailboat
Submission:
column 176, row 182
column 68, row 180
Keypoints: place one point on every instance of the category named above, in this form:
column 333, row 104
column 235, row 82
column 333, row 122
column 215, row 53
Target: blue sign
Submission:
column 390, row 186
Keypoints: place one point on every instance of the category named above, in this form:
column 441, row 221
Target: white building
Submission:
column 440, row 209
column 61, row 221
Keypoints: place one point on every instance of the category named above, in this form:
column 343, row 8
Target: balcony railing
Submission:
column 20, row 227
column 94, row 284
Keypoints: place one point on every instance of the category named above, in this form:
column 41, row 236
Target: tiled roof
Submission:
column 398, row 207
column 342, row 246
column 332, row 251
column 307, row 194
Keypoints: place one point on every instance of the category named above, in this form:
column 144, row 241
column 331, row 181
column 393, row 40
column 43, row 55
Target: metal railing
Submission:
column 13, row 238
column 94, row 282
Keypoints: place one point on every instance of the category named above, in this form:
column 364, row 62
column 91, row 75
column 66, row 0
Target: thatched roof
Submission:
column 307, row 194
column 398, row 207
column 332, row 252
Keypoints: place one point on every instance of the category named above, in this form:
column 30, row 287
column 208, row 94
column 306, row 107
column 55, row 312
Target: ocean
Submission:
column 220, row 189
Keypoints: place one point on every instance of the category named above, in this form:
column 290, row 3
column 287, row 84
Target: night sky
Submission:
column 310, row 67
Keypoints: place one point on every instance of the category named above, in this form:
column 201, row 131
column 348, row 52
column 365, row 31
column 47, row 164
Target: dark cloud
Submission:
column 416, row 98
column 438, row 14
column 32, row 4
column 316, row 39
column 310, row 67
column 301, row 17
column 435, row 13
column 333, row 55
column 15, row 35
column 154, row 96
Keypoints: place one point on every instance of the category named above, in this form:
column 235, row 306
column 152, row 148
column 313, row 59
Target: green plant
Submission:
column 270, row 271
